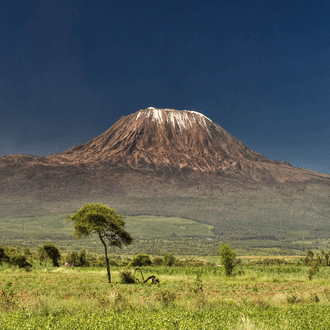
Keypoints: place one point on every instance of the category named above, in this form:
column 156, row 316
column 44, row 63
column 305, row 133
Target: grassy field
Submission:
column 256, row 297
column 138, row 226
column 155, row 235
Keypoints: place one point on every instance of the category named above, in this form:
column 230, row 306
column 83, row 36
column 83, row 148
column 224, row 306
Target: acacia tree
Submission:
column 103, row 221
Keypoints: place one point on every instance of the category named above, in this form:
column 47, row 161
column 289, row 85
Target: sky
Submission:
column 260, row 69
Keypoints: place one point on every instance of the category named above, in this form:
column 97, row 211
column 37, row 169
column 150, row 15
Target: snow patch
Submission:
column 200, row 114
column 183, row 119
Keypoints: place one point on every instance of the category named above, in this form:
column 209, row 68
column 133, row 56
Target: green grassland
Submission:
column 153, row 227
column 138, row 226
column 255, row 297
column 155, row 235
column 148, row 231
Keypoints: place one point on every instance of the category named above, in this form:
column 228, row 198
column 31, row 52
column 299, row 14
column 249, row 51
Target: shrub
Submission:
column 20, row 261
column 158, row 261
column 313, row 269
column 166, row 297
column 227, row 258
column 3, row 256
column 113, row 263
column 123, row 263
column 126, row 277
column 169, row 259
column 140, row 260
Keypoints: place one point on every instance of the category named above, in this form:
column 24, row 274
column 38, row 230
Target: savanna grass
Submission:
column 259, row 297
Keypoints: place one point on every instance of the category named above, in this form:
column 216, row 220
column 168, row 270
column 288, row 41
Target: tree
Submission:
column 227, row 258
column 103, row 221
column 53, row 253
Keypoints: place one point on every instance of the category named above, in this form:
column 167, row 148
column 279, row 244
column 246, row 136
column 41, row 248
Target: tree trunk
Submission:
column 106, row 258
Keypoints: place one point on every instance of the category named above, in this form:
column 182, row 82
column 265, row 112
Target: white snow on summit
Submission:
column 183, row 119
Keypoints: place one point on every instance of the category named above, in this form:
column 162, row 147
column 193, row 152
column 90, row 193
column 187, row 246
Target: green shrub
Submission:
column 169, row 259
column 126, row 277
column 113, row 263
column 3, row 256
column 124, row 263
column 20, row 261
column 166, row 297
column 158, row 261
column 140, row 260
column 227, row 258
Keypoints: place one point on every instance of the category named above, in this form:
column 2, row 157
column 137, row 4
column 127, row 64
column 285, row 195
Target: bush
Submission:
column 124, row 263
column 227, row 258
column 3, row 256
column 158, row 261
column 169, row 259
column 126, row 277
column 20, row 261
column 140, row 260
column 166, row 296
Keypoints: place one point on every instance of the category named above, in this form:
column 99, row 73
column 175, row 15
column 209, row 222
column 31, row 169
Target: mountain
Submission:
column 173, row 163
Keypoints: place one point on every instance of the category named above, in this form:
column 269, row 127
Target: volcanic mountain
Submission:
column 163, row 162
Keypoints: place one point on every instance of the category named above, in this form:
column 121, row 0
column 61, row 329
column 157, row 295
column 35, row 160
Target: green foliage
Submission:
column 169, row 259
column 53, row 253
column 166, row 296
column 3, row 255
column 198, row 287
column 314, row 268
column 27, row 252
column 126, row 277
column 20, row 261
column 103, row 221
column 227, row 258
column 309, row 258
column 140, row 260
column 157, row 261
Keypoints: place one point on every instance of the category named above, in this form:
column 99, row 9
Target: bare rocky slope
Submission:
column 167, row 162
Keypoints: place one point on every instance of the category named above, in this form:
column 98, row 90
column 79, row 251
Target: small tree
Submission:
column 105, row 222
column 227, row 258
column 53, row 253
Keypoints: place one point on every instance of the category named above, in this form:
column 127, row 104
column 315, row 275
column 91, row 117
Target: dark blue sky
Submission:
column 260, row 69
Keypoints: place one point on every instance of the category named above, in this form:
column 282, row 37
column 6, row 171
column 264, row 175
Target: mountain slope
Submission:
column 169, row 163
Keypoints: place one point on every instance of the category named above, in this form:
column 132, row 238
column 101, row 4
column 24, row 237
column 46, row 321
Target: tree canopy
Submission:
column 103, row 221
